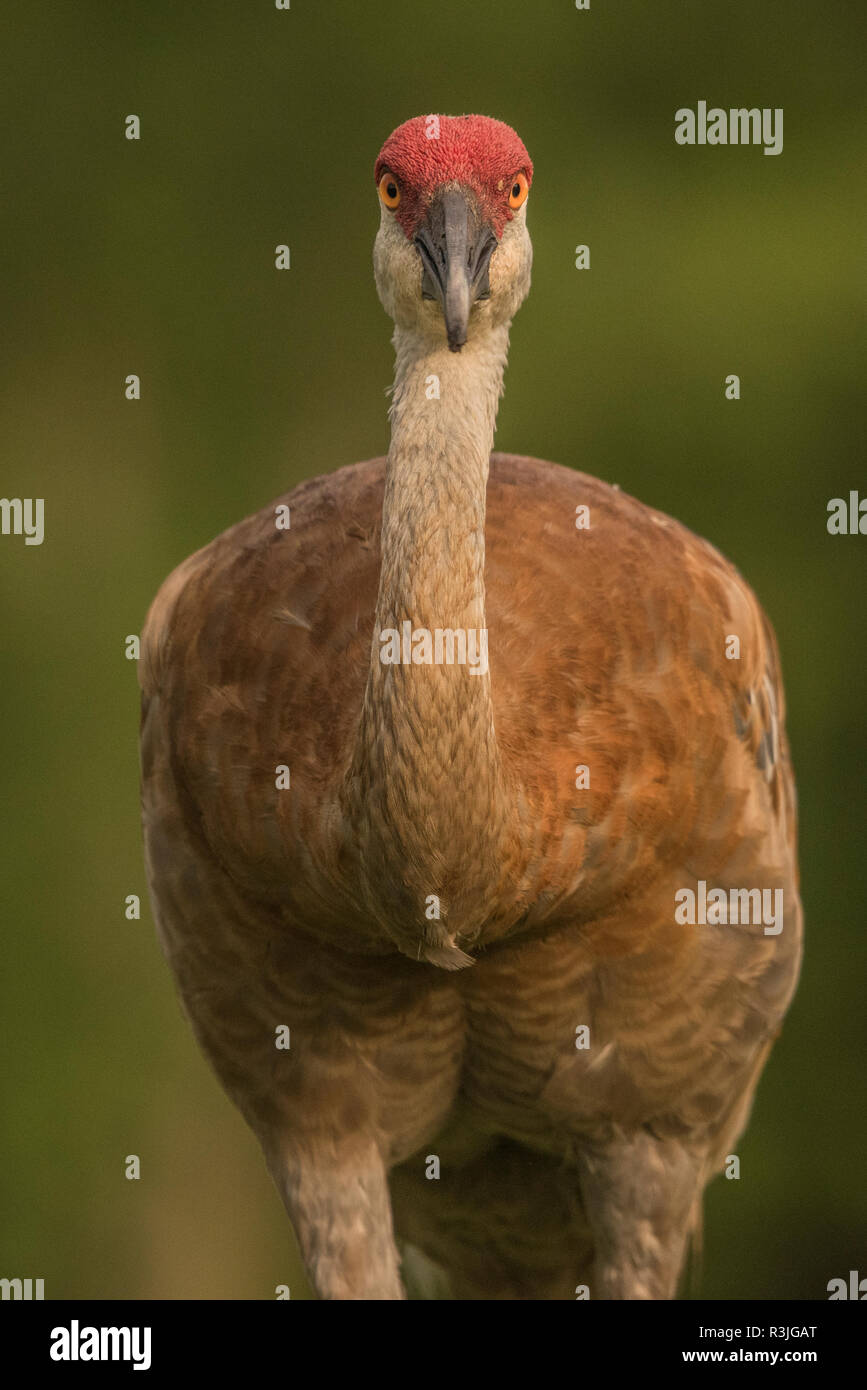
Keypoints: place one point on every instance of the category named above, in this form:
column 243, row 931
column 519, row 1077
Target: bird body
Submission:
column 455, row 882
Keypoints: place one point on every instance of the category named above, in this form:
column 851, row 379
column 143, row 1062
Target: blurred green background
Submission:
column 157, row 257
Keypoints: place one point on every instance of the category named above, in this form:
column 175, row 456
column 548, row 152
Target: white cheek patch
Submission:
column 397, row 266
column 511, row 260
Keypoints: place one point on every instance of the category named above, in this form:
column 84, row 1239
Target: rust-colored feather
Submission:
column 608, row 650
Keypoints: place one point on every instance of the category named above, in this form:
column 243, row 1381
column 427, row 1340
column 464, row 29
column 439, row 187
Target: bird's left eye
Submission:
column 519, row 190
column 389, row 191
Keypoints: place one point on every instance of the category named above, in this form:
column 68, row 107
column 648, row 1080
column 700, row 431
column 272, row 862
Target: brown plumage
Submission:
column 422, row 788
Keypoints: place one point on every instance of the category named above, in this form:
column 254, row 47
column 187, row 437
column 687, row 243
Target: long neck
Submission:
column 433, row 517
column 426, row 790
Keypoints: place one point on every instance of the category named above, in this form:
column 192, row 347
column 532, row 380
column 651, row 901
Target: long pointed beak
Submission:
column 455, row 245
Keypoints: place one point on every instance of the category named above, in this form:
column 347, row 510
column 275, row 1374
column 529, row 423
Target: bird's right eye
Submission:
column 389, row 191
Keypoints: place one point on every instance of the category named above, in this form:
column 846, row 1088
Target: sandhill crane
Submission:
column 430, row 781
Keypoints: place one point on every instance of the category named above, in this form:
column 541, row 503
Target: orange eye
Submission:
column 389, row 191
column 519, row 190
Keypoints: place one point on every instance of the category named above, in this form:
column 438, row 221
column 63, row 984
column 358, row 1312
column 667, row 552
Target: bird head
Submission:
column 453, row 254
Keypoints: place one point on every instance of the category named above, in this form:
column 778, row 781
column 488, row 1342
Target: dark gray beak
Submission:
column 455, row 245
